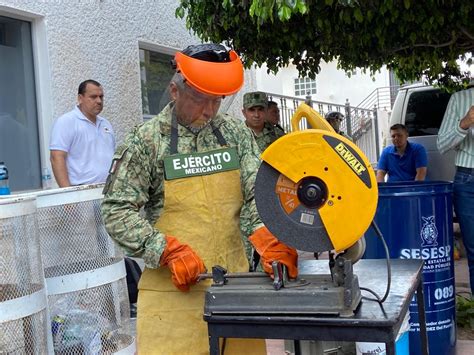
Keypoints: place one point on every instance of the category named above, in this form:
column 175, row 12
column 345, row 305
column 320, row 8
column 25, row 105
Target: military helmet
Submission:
column 334, row 115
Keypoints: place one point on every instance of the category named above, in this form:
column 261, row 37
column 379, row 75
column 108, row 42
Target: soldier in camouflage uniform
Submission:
column 191, row 169
column 265, row 133
column 273, row 117
column 255, row 113
column 335, row 118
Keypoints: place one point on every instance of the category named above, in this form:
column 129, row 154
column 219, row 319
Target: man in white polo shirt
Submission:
column 82, row 142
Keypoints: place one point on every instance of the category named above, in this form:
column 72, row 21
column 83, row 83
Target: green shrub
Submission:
column 465, row 312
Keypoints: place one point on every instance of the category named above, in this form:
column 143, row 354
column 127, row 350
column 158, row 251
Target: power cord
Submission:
column 389, row 269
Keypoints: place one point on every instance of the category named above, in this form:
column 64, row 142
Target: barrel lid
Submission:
column 415, row 188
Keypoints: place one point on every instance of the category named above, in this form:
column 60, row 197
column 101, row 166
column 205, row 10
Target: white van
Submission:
column 421, row 109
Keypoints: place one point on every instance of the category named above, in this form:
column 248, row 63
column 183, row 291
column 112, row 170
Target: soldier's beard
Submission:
column 200, row 122
column 194, row 126
column 197, row 127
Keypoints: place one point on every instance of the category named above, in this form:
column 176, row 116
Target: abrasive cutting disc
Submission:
column 315, row 190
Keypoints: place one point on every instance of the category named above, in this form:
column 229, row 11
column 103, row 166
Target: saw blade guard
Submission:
column 315, row 189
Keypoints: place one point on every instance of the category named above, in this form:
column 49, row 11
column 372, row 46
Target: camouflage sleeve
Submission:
column 249, row 164
column 245, row 230
column 262, row 142
column 127, row 190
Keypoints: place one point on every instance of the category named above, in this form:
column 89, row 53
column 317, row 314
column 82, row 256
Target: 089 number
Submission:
column 443, row 293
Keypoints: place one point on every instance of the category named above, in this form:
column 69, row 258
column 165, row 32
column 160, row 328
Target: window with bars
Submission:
column 305, row 86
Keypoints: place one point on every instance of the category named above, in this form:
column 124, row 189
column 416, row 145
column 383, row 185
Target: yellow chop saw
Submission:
column 315, row 191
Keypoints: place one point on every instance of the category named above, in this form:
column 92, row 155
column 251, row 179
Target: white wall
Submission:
column 384, row 125
column 333, row 85
column 97, row 39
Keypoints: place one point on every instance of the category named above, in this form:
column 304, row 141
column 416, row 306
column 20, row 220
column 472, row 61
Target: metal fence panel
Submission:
column 23, row 315
column 85, row 274
column 358, row 122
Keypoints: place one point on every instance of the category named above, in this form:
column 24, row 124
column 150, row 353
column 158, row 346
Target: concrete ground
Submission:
column 461, row 275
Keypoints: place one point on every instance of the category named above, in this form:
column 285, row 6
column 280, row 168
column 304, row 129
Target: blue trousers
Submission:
column 463, row 200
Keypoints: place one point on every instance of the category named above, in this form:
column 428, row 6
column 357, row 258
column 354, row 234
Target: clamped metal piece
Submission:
column 342, row 276
column 218, row 275
column 280, row 275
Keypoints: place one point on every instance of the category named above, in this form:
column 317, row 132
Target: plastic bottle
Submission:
column 57, row 328
column 46, row 179
column 83, row 332
column 4, row 186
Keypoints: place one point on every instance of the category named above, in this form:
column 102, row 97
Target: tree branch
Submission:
column 446, row 44
column 466, row 32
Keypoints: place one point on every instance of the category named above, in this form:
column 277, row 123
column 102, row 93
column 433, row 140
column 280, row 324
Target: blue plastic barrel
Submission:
column 416, row 219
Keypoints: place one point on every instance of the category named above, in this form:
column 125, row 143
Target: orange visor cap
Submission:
column 213, row 78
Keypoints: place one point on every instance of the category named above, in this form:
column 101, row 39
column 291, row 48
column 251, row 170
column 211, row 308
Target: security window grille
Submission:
column 305, row 86
column 155, row 74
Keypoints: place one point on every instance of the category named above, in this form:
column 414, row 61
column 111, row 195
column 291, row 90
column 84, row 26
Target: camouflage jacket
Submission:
column 138, row 180
column 268, row 135
column 279, row 130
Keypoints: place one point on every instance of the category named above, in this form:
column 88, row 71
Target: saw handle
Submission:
column 313, row 117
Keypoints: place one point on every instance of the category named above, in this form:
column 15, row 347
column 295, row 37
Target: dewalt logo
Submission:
column 350, row 159
column 351, row 155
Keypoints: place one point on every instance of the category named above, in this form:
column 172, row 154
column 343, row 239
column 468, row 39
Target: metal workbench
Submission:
column 371, row 322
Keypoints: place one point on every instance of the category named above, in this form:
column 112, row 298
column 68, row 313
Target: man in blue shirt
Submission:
column 402, row 161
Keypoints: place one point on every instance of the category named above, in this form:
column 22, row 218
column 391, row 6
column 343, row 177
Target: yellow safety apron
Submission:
column 203, row 212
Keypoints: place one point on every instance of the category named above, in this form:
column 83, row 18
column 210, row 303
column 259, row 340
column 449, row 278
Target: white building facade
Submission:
column 48, row 47
column 330, row 85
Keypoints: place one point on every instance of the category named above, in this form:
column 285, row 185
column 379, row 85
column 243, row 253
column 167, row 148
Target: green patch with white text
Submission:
column 195, row 164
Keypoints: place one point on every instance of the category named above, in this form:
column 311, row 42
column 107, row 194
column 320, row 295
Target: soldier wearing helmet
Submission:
column 192, row 168
column 335, row 118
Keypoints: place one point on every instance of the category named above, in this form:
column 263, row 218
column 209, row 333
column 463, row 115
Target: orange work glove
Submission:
column 185, row 265
column 270, row 249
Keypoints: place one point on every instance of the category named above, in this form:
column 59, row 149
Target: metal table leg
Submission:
column 422, row 318
column 213, row 345
column 297, row 347
column 390, row 348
